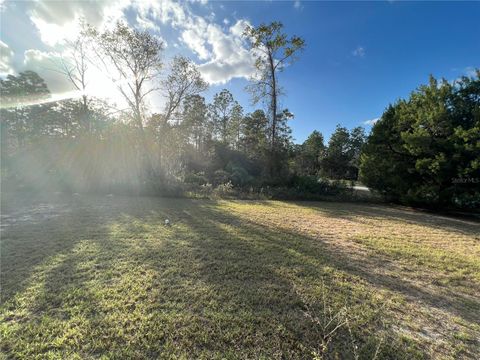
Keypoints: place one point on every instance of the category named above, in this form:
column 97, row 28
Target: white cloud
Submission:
column 371, row 122
column 225, row 52
column 165, row 11
column 6, row 56
column 220, row 48
column 3, row 5
column 144, row 23
column 222, row 53
column 470, row 71
column 211, row 17
column 203, row 2
column 194, row 36
column 297, row 5
column 46, row 65
column 359, row 51
column 57, row 21
column 239, row 27
column 62, row 12
column 221, row 72
column 52, row 34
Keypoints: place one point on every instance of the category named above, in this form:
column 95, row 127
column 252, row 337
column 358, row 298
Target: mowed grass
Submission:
column 92, row 277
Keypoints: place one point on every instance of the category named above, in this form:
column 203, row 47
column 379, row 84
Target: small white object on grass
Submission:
column 167, row 222
column 110, row 195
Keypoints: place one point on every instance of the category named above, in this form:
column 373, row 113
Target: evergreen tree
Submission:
column 309, row 154
column 254, row 140
column 23, row 110
column 426, row 149
column 221, row 112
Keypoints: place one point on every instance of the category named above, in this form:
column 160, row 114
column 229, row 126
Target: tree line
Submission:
column 424, row 150
column 84, row 143
column 204, row 143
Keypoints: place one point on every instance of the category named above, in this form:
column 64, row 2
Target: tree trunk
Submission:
column 86, row 120
column 273, row 109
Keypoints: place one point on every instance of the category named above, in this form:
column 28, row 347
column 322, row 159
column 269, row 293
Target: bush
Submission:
column 306, row 188
column 220, row 177
column 314, row 186
column 206, row 190
column 223, row 190
column 468, row 201
column 239, row 176
column 196, row 178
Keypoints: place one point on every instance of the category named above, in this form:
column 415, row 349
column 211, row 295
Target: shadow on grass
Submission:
column 406, row 215
column 31, row 240
column 212, row 285
column 320, row 253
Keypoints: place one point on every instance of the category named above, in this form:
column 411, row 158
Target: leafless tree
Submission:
column 74, row 65
column 132, row 59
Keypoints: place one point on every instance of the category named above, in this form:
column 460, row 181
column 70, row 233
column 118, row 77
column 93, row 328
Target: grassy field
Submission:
column 103, row 277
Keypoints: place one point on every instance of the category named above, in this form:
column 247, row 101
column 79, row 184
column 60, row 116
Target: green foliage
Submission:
column 239, row 176
column 425, row 150
column 274, row 50
column 254, row 140
column 312, row 187
column 270, row 39
column 25, row 88
column 21, row 99
column 340, row 159
column 220, row 177
column 196, row 178
column 308, row 155
column 195, row 125
column 222, row 112
column 223, row 190
column 80, row 143
column 183, row 81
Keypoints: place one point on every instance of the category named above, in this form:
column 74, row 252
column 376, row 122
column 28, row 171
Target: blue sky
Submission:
column 359, row 56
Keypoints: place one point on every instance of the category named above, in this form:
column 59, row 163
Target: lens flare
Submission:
column 25, row 102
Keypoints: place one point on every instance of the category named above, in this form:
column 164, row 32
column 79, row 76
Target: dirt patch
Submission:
column 32, row 215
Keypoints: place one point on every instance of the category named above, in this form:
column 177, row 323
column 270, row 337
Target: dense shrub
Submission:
column 307, row 188
column 224, row 190
column 220, row 177
column 239, row 176
column 196, row 178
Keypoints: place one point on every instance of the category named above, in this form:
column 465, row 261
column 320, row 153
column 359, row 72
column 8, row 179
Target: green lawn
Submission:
column 103, row 277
